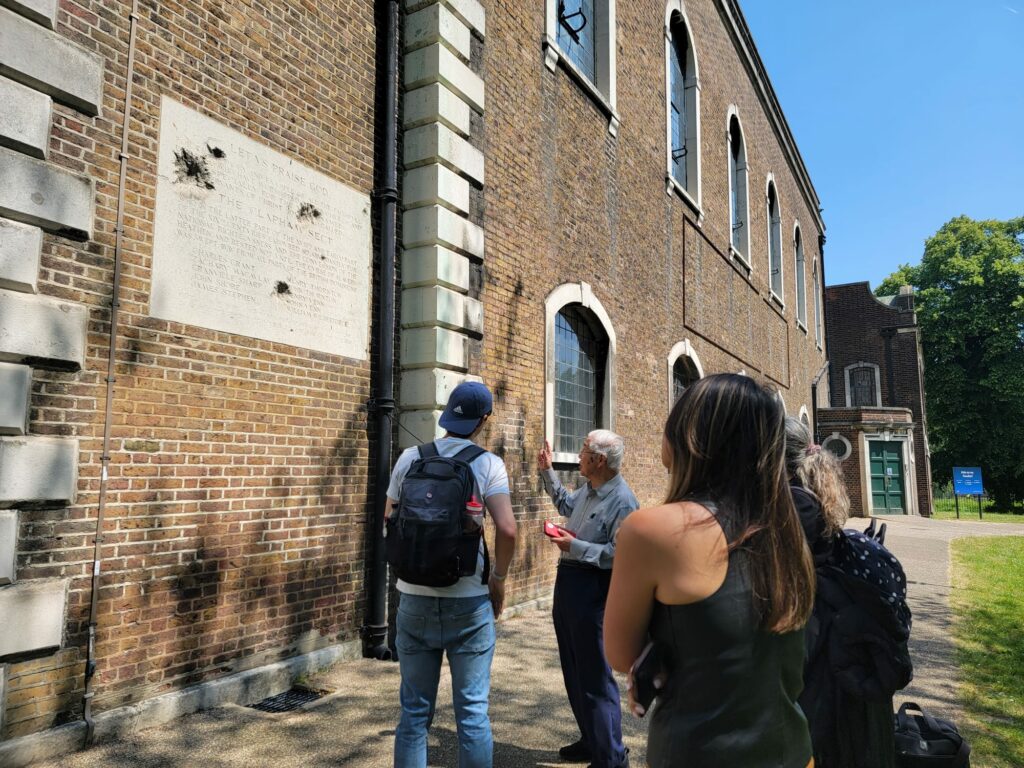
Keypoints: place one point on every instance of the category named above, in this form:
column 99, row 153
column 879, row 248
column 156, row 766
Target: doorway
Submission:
column 886, row 465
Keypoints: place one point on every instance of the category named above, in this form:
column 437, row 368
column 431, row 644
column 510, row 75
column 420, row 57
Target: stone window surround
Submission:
column 819, row 332
column 804, row 415
column 742, row 169
column 603, row 91
column 848, row 447
column 800, row 277
column 692, row 195
column 565, row 294
column 878, row 384
column 770, row 186
column 682, row 349
column 909, row 468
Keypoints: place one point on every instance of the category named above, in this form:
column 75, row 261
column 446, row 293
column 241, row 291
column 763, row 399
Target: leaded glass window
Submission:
column 684, row 373
column 774, row 241
column 677, row 100
column 580, row 355
column 576, row 34
column 801, row 286
column 862, row 387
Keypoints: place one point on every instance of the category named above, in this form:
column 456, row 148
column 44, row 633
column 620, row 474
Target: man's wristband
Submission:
column 494, row 575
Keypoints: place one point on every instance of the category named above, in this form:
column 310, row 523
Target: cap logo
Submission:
column 457, row 409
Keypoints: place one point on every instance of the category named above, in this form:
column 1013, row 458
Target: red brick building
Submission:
column 877, row 424
column 593, row 214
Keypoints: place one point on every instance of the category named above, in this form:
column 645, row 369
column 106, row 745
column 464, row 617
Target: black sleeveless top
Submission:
column 732, row 687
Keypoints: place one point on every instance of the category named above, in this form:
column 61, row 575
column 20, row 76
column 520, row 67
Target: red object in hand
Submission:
column 556, row 531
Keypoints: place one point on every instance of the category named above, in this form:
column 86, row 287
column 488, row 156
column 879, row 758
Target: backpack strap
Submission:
column 428, row 451
column 469, row 454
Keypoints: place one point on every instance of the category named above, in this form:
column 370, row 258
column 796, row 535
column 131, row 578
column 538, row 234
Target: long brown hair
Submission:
column 819, row 473
column 727, row 435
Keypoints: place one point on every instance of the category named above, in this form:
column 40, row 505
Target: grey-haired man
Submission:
column 595, row 510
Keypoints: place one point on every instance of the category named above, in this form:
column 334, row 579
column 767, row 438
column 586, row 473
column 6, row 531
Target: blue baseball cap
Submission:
column 467, row 405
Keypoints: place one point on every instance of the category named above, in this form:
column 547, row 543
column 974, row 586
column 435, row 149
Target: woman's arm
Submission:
column 627, row 613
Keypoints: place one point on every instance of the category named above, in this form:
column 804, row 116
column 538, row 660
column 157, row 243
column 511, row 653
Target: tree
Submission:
column 970, row 309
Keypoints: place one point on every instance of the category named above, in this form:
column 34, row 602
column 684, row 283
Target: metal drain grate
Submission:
column 289, row 700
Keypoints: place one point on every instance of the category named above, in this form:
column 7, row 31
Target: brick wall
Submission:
column 238, row 481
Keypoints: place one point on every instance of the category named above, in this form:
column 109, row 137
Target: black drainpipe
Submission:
column 375, row 631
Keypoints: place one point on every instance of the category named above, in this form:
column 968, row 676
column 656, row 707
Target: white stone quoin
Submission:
column 20, row 245
column 38, row 470
column 36, row 192
column 38, row 328
column 15, row 388
column 434, row 103
column 34, row 616
column 25, row 119
column 251, row 242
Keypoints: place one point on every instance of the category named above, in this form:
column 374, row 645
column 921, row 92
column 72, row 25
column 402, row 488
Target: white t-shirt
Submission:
column 489, row 477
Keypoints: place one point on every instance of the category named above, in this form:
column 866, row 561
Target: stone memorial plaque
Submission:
column 249, row 241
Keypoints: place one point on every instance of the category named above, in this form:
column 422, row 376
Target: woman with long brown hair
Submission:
column 721, row 580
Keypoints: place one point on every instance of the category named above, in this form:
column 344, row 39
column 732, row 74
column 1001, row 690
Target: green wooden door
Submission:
column 886, row 477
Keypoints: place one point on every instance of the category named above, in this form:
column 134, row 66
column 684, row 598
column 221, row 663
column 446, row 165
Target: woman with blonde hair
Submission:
column 721, row 580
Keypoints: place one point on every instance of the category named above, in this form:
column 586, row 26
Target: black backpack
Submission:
column 426, row 543
column 923, row 741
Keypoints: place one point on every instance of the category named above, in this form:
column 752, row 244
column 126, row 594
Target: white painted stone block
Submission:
column 436, row 104
column 473, row 318
column 437, row 24
column 434, row 265
column 435, row 184
column 44, row 60
column 34, row 616
column 20, row 245
column 15, row 387
column 25, row 119
column 469, row 11
column 47, row 332
column 436, row 64
column 35, row 192
column 434, row 348
column 435, row 225
column 8, row 549
column 35, row 470
column 435, row 143
column 429, row 388
column 40, row 11
column 433, row 305
column 423, row 425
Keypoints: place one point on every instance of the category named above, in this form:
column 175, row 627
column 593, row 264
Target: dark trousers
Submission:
column 578, row 612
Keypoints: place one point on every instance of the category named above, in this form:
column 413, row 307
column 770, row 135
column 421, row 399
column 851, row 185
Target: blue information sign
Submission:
column 967, row 481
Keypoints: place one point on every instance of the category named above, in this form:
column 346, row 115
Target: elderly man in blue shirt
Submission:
column 595, row 510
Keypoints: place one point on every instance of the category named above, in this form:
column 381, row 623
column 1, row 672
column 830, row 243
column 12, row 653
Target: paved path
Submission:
column 923, row 547
column 354, row 727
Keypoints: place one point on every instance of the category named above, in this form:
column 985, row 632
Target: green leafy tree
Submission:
column 970, row 308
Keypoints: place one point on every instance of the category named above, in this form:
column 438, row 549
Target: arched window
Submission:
column 774, row 241
column 683, row 107
column 801, row 286
column 579, row 370
column 863, row 385
column 580, row 34
column 684, row 369
column 816, row 286
column 738, row 211
column 581, row 350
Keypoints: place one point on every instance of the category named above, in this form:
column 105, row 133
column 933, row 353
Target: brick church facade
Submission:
column 592, row 215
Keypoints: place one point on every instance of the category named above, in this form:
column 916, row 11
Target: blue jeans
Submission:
column 462, row 627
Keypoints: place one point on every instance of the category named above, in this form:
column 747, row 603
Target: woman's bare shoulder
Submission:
column 673, row 516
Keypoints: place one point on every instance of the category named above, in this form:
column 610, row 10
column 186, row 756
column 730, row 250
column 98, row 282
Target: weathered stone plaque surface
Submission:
column 250, row 241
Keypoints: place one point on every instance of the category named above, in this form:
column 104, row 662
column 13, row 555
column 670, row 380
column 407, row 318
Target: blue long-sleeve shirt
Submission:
column 594, row 516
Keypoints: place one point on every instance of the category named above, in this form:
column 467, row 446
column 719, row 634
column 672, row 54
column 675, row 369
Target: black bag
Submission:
column 923, row 741
column 426, row 543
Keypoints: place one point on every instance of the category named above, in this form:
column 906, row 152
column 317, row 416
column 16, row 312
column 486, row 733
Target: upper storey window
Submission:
column 682, row 105
column 739, row 217
column 774, row 241
column 801, row 285
column 581, row 35
column 576, row 34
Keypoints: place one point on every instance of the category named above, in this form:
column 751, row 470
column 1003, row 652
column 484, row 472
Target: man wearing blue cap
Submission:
column 459, row 619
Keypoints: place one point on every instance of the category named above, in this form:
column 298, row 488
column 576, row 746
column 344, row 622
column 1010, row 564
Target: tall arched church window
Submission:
column 816, row 284
column 581, row 350
column 801, row 286
column 684, row 373
column 774, row 241
column 739, row 213
column 682, row 105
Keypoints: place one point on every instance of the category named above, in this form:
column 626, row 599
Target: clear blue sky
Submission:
column 907, row 113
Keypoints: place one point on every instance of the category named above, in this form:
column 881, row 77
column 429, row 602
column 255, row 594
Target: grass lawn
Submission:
column 988, row 574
